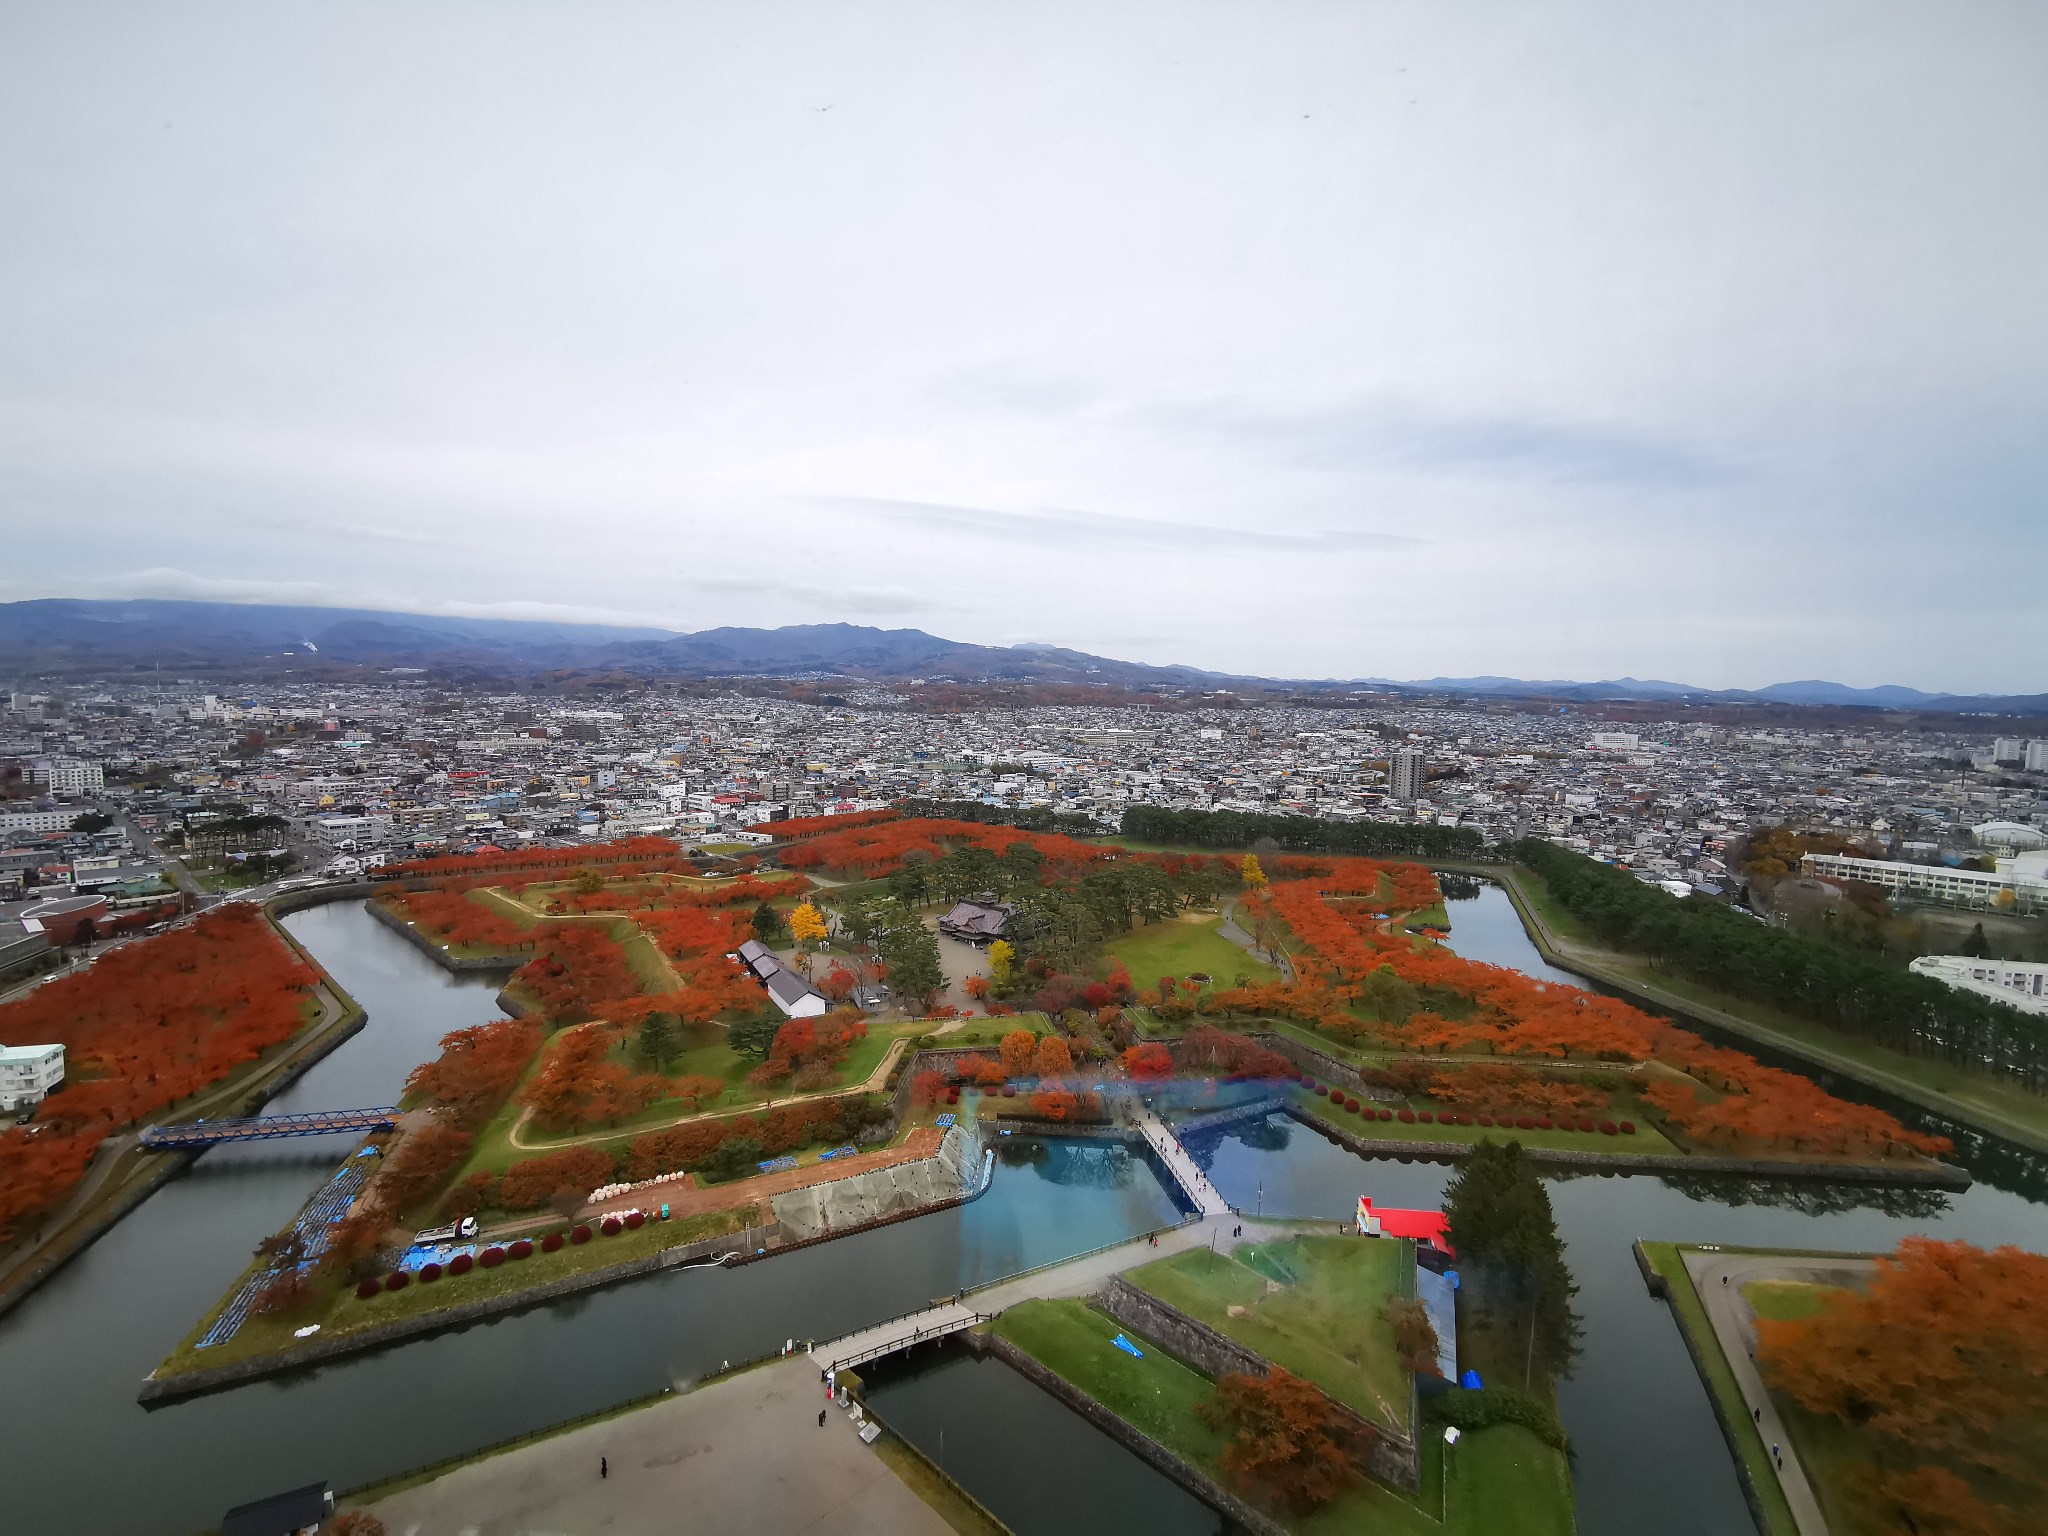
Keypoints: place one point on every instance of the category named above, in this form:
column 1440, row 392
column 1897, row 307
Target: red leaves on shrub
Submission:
column 397, row 1280
column 1486, row 1119
column 520, row 1250
column 429, row 1273
column 1009, row 1090
column 610, row 1226
column 1425, row 1116
column 368, row 1288
column 1525, row 1122
column 1607, row 1128
column 1406, row 1117
column 1386, row 1114
column 1544, row 1123
column 1628, row 1127
column 1322, row 1090
column 580, row 1235
column 1351, row 1106
column 636, row 1220
column 491, row 1257
column 461, row 1264
column 552, row 1243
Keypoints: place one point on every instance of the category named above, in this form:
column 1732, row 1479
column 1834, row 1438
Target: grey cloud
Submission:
column 1404, row 436
column 829, row 600
column 1062, row 528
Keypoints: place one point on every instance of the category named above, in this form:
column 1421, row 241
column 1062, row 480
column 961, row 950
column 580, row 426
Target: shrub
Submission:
column 1486, row 1120
column 1407, row 1117
column 429, row 1273
column 635, row 1220
column 1586, row 1125
column 1424, row 1116
column 491, row 1257
column 580, row 1235
column 368, row 1288
column 1628, row 1127
column 1351, row 1106
column 523, row 1249
column 1525, row 1122
column 1385, row 1114
column 1009, row 1090
column 1544, row 1123
column 611, row 1226
column 1607, row 1128
column 552, row 1243
column 461, row 1264
column 1322, row 1090
column 1495, row 1405
column 397, row 1280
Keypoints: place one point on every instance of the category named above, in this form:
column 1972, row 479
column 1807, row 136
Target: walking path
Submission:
column 1719, row 1279
column 744, row 1455
column 1277, row 958
column 1191, row 1179
column 1082, row 1276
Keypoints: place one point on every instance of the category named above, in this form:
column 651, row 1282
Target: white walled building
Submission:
column 76, row 776
column 27, row 1072
column 2022, row 983
column 2018, row 884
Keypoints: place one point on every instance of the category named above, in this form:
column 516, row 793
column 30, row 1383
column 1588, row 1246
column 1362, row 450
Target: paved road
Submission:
column 742, row 1455
column 1719, row 1278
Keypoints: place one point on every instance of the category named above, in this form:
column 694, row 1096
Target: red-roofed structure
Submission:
column 1431, row 1227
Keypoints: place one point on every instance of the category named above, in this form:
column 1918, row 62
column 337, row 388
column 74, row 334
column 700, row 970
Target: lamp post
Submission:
column 1444, row 1501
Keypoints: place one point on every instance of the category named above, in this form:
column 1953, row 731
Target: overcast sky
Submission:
column 1347, row 339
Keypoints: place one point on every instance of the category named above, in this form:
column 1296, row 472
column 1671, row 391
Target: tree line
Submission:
column 1850, row 990
column 1032, row 818
column 1300, row 834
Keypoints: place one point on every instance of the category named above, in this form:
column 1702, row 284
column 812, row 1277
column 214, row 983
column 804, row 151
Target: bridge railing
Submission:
column 264, row 1127
column 918, row 1336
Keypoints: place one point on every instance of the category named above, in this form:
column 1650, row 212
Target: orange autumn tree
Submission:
column 1943, row 1359
column 146, row 1026
column 1283, row 1438
column 1053, row 1058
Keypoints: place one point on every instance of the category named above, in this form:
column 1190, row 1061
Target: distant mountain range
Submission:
column 71, row 636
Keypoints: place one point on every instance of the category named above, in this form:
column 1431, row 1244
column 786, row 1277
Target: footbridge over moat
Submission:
column 209, row 1133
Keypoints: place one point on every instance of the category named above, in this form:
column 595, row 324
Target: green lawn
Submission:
column 1783, row 1300
column 1179, row 947
column 1503, row 1479
column 991, row 1031
column 1324, row 1325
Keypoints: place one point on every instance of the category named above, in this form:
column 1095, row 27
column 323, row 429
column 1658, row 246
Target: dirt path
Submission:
column 874, row 1083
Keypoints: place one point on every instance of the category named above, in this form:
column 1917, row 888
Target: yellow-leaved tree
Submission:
column 1254, row 875
column 1002, row 961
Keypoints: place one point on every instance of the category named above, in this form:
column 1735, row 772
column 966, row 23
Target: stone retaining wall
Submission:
column 1387, row 1455
column 1319, row 1064
column 435, row 952
column 1917, row 1176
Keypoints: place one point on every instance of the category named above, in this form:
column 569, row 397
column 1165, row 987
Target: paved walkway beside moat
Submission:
column 742, row 1455
column 1719, row 1279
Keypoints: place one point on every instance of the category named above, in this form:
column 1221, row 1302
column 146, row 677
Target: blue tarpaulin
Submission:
column 1129, row 1348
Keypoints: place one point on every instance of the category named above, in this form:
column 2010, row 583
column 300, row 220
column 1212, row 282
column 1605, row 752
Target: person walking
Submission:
column 821, row 1418
column 604, row 1467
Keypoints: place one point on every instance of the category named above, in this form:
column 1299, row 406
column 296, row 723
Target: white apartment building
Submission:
column 363, row 831
column 1614, row 741
column 2022, row 983
column 2020, row 882
column 76, row 776
column 54, row 819
column 27, row 1072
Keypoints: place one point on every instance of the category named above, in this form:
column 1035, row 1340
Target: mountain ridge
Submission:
column 73, row 635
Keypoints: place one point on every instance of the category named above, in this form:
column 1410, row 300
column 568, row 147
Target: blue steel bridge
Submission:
column 210, row 1133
